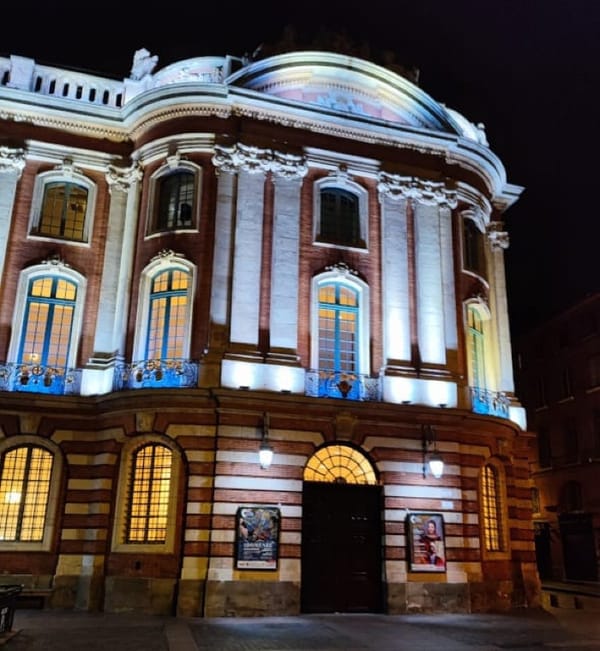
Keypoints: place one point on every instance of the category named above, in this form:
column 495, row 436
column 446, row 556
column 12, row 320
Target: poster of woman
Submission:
column 425, row 537
column 257, row 537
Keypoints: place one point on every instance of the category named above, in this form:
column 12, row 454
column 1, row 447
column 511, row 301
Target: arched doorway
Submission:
column 341, row 532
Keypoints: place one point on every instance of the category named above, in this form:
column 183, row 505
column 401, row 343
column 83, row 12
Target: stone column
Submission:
column 12, row 163
column 448, row 276
column 226, row 171
column 394, row 272
column 498, row 242
column 432, row 268
column 253, row 164
column 111, row 325
column 288, row 172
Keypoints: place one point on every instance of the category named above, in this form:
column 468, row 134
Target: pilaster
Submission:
column 12, row 163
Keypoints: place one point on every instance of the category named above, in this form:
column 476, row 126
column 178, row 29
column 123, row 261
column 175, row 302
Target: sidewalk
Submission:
column 522, row 630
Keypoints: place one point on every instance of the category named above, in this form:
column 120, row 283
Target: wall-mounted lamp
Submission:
column 431, row 460
column 265, row 451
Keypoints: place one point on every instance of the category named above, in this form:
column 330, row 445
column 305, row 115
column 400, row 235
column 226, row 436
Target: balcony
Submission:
column 38, row 378
column 335, row 384
column 156, row 374
column 491, row 403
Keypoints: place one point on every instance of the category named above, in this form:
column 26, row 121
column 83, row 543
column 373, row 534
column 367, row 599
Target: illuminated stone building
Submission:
column 303, row 253
column 558, row 373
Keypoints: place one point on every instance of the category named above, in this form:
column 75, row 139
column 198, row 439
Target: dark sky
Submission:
column 528, row 69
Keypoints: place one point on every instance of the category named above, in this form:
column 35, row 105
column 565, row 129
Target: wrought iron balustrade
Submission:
column 491, row 403
column 338, row 384
column 156, row 374
column 40, row 378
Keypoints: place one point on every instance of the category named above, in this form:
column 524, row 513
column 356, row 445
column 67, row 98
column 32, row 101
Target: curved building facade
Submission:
column 301, row 255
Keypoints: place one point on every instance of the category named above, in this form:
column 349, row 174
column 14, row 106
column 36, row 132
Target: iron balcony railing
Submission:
column 156, row 374
column 338, row 384
column 40, row 378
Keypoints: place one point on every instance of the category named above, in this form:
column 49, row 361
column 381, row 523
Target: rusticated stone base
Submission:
column 251, row 598
column 420, row 597
column 139, row 595
column 190, row 598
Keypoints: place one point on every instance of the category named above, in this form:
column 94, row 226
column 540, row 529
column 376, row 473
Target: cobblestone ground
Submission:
column 528, row 630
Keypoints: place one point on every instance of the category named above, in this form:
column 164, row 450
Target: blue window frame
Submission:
column 338, row 328
column 46, row 334
column 168, row 315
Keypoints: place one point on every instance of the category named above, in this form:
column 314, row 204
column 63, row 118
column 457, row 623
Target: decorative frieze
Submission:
column 255, row 160
column 396, row 187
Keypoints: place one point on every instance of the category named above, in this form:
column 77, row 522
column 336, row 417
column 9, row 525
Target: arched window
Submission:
column 148, row 507
column 63, row 205
column 341, row 211
column 340, row 218
column 339, row 464
column 473, row 249
column 150, row 479
column 340, row 341
column 168, row 315
column 338, row 328
column 492, row 509
column 476, row 347
column 25, row 476
column 46, row 326
column 174, row 203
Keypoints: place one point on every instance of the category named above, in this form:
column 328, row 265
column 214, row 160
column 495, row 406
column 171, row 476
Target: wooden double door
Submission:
column 341, row 548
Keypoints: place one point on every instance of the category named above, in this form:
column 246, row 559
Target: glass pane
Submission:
column 24, row 491
column 148, row 509
column 339, row 463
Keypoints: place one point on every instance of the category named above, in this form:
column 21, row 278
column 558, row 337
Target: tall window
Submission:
column 175, row 205
column 338, row 328
column 24, row 493
column 473, row 254
column 491, row 508
column 340, row 218
column 48, row 322
column 168, row 315
column 148, row 508
column 476, row 347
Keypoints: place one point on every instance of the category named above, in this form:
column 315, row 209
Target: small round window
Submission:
column 340, row 464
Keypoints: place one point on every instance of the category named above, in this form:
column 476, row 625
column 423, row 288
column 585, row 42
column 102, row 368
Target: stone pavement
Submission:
column 522, row 630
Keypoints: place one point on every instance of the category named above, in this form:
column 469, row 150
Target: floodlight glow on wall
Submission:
column 432, row 461
column 265, row 451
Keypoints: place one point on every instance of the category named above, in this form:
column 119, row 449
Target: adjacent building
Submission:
column 558, row 374
column 302, row 255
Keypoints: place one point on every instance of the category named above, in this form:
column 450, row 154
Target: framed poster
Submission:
column 257, row 538
column 426, row 543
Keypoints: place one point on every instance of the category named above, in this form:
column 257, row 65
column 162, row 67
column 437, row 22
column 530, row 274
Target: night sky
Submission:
column 528, row 69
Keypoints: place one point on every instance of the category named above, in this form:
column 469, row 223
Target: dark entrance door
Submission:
column 341, row 548
column 579, row 550
column 542, row 549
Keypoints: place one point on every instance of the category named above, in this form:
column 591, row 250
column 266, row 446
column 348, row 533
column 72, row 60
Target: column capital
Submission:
column 288, row 166
column 253, row 160
column 498, row 237
column 396, row 187
column 123, row 177
column 12, row 160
